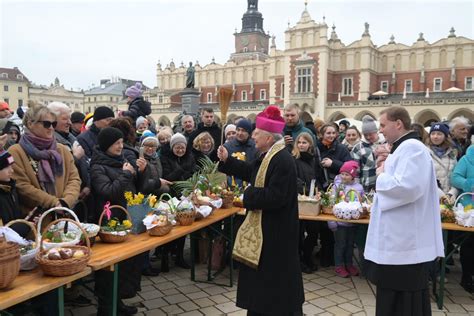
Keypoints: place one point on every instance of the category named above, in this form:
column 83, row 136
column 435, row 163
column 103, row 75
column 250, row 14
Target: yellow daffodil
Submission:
column 152, row 200
column 128, row 197
column 127, row 223
column 112, row 223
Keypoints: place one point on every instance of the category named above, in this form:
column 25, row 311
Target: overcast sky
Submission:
column 82, row 42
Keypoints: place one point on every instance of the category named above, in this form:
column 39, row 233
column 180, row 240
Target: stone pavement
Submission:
column 173, row 293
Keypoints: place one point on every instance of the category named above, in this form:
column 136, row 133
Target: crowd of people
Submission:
column 54, row 157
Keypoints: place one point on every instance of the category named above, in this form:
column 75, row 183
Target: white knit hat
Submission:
column 178, row 138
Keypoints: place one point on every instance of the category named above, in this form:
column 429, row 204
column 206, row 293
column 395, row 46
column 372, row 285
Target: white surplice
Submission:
column 405, row 223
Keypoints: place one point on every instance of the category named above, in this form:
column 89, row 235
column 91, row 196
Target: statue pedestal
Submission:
column 190, row 100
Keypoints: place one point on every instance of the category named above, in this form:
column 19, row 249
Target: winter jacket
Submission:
column 178, row 168
column 150, row 179
column 199, row 155
column 338, row 153
column 88, row 140
column 295, row 131
column 248, row 147
column 138, row 107
column 109, row 181
column 364, row 154
column 30, row 193
column 308, row 168
column 461, row 146
column 9, row 202
column 245, row 150
column 463, row 175
column 444, row 167
column 81, row 164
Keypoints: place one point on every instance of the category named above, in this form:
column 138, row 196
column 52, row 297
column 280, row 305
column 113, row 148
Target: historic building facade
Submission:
column 57, row 93
column 13, row 87
column 327, row 78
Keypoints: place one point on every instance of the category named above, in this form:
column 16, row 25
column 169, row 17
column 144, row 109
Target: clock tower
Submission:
column 251, row 42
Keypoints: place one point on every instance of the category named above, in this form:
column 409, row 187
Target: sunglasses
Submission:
column 48, row 124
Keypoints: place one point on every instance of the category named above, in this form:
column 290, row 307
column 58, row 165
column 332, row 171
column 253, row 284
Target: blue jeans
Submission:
column 344, row 245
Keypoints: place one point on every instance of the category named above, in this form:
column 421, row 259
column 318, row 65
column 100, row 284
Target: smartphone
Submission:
column 142, row 152
column 288, row 133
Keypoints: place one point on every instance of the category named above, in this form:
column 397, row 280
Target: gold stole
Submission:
column 249, row 239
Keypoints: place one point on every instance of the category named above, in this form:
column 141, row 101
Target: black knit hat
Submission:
column 5, row 159
column 77, row 117
column 103, row 112
column 107, row 137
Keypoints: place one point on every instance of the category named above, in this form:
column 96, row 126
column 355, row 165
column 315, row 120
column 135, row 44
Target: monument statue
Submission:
column 190, row 76
column 252, row 4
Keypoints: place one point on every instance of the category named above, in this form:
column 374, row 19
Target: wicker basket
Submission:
column 228, row 200
column 27, row 260
column 108, row 237
column 160, row 230
column 64, row 267
column 309, row 207
column 364, row 213
column 49, row 245
column 9, row 262
column 185, row 218
column 327, row 209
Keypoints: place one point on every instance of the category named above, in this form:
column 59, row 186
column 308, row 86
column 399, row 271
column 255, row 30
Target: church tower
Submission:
column 251, row 42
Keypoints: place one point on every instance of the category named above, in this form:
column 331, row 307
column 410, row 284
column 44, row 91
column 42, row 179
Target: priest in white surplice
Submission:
column 404, row 236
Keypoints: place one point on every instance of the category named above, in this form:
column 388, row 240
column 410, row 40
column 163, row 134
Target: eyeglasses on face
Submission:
column 48, row 124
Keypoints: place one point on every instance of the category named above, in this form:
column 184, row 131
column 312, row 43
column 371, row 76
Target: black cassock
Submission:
column 276, row 287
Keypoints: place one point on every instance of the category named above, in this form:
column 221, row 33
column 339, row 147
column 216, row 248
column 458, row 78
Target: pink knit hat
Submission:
column 270, row 120
column 351, row 167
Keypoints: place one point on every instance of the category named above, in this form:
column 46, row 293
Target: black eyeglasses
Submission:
column 48, row 124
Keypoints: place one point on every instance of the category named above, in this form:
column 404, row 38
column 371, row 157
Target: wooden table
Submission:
column 445, row 228
column 29, row 284
column 107, row 256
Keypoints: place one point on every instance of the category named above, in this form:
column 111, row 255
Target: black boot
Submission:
column 151, row 272
column 126, row 309
column 467, row 284
column 181, row 263
column 165, row 267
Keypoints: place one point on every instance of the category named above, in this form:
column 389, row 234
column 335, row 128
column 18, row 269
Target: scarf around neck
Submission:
column 45, row 152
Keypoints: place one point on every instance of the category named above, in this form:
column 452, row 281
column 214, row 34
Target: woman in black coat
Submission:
column 111, row 177
column 332, row 153
column 178, row 165
column 332, row 156
column 307, row 169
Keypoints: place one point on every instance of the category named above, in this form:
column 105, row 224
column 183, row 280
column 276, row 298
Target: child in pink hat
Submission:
column 344, row 233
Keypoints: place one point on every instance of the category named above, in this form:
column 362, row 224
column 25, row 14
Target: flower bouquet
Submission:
column 114, row 231
column 447, row 210
column 327, row 201
column 204, row 187
column 139, row 206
